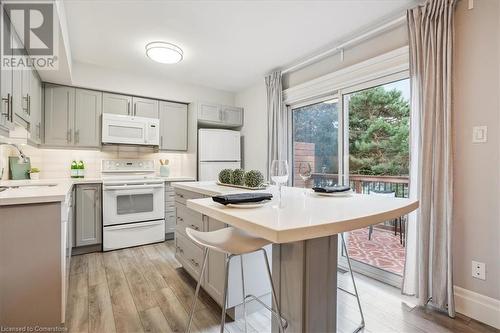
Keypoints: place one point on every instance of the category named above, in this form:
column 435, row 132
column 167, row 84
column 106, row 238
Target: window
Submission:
column 315, row 131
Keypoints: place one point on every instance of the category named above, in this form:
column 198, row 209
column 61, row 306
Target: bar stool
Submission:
column 355, row 293
column 233, row 242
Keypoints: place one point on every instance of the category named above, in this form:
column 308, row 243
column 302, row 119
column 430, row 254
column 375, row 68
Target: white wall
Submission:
column 254, row 131
column 477, row 166
column 95, row 77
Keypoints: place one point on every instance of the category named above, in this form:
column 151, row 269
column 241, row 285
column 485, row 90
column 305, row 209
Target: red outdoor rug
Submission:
column 383, row 250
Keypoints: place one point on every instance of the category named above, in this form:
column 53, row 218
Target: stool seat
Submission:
column 228, row 240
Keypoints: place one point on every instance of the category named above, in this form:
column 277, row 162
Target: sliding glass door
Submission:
column 377, row 161
column 315, row 143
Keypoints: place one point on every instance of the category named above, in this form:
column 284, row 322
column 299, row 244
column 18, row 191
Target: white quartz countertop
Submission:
column 306, row 216
column 209, row 188
column 36, row 191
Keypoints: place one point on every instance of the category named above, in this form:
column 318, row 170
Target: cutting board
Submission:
column 19, row 170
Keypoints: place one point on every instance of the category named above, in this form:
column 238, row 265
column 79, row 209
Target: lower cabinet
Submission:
column 190, row 255
column 88, row 219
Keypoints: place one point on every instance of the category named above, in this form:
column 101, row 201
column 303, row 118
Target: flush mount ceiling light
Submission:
column 163, row 52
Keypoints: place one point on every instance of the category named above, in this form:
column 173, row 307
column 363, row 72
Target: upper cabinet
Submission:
column 129, row 106
column 220, row 115
column 118, row 104
column 173, row 126
column 88, row 110
column 72, row 117
column 35, row 107
column 59, row 115
column 145, row 107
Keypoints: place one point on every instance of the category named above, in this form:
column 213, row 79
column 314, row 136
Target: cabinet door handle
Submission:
column 11, row 108
column 161, row 141
column 29, row 104
column 7, row 102
column 77, row 136
column 128, row 108
column 195, row 227
column 180, row 218
column 195, row 263
column 69, row 135
column 38, row 131
column 135, row 109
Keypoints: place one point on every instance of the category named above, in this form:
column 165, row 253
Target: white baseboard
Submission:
column 479, row 307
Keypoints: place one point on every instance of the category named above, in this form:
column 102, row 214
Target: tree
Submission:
column 378, row 132
column 318, row 124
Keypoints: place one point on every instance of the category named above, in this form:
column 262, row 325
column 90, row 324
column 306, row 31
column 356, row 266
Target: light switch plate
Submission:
column 479, row 270
column 479, row 134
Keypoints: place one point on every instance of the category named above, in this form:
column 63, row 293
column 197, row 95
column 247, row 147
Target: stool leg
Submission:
column 191, row 313
column 224, row 298
column 275, row 299
column 243, row 292
column 362, row 324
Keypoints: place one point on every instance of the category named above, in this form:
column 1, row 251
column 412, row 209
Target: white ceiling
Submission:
column 227, row 45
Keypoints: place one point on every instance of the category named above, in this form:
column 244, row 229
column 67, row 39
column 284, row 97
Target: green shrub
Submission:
column 254, row 178
column 239, row 177
column 226, row 176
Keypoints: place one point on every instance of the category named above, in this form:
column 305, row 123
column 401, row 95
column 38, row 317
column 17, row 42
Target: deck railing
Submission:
column 367, row 183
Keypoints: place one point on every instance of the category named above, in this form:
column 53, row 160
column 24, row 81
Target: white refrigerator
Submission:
column 217, row 149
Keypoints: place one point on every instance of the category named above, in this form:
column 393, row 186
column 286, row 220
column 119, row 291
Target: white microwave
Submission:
column 119, row 129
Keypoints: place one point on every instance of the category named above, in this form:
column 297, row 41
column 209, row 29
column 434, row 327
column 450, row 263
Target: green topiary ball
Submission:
column 226, row 176
column 254, row 178
column 239, row 177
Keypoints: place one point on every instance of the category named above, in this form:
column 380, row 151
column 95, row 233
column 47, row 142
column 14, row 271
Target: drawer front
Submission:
column 127, row 235
column 187, row 218
column 181, row 196
column 189, row 255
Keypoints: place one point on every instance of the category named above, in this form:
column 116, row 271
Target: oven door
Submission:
column 133, row 203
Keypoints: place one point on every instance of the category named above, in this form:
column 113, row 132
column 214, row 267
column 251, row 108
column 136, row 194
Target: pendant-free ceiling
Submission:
column 163, row 52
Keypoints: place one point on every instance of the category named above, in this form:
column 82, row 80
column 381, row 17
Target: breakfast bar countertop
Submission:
column 305, row 216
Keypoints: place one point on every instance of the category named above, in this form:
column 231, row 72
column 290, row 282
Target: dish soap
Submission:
column 81, row 169
column 74, row 169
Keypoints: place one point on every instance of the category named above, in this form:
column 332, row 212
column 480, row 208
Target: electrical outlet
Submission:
column 479, row 270
column 479, row 134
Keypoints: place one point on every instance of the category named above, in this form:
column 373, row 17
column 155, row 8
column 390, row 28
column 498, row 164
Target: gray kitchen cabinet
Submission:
column 220, row 115
column 35, row 108
column 117, row 104
column 209, row 112
column 59, row 115
column 87, row 125
column 88, row 220
column 173, row 126
column 20, row 91
column 145, row 107
column 214, row 272
column 232, row 115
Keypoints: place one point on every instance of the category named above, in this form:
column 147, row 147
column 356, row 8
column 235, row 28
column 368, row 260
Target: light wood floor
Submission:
column 144, row 289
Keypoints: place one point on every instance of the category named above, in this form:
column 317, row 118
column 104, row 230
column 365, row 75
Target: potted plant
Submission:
column 34, row 173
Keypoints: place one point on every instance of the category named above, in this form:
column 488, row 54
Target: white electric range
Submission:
column 133, row 204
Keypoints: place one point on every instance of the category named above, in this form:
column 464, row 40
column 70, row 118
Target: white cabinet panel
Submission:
column 173, row 126
column 232, row 115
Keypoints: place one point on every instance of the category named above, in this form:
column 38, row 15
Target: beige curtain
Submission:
column 277, row 128
column 431, row 30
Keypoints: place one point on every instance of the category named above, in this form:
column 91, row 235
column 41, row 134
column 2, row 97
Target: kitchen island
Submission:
column 304, row 231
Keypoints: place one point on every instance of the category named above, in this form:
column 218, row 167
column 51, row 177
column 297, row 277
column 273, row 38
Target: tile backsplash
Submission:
column 55, row 163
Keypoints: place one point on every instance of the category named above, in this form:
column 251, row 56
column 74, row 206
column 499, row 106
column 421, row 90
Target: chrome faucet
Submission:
column 22, row 157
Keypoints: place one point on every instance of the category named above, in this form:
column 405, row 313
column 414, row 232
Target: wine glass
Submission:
column 305, row 172
column 279, row 174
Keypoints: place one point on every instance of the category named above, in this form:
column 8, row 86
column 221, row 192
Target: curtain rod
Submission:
column 338, row 48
